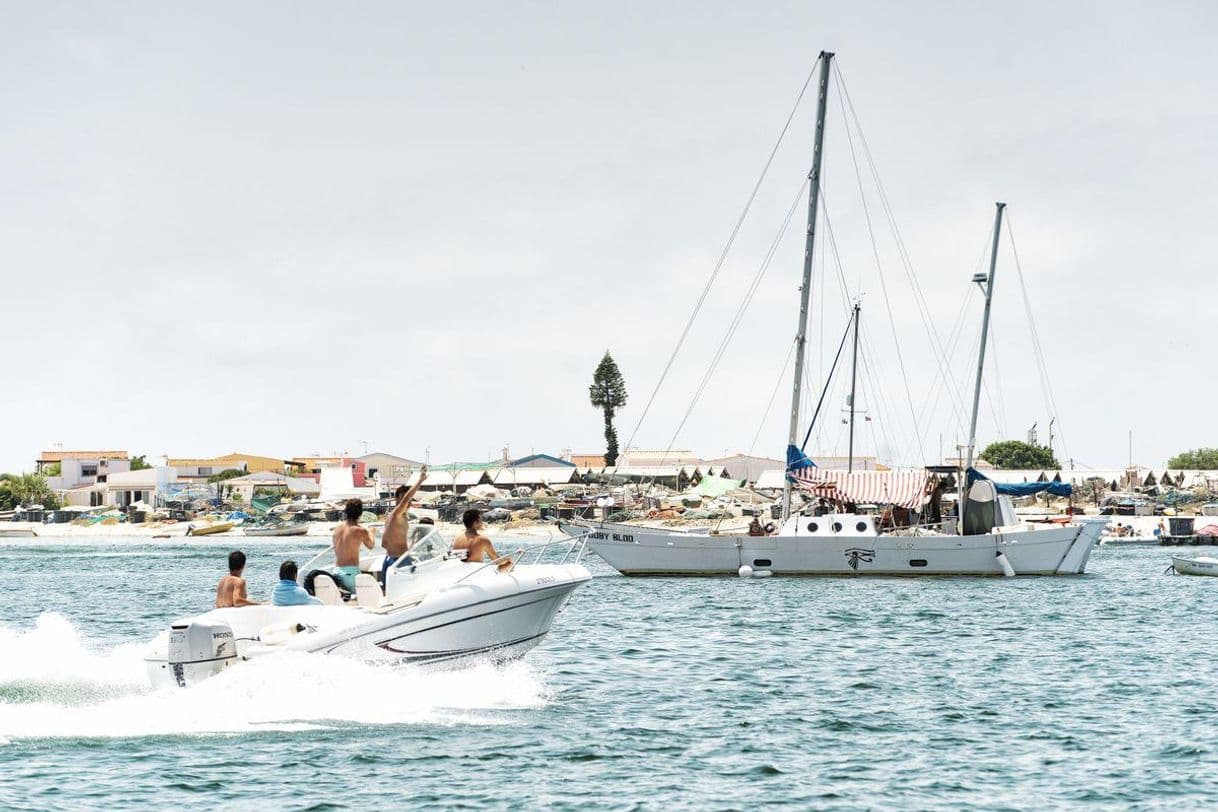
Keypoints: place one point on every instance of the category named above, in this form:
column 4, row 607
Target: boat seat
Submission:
column 326, row 590
column 367, row 591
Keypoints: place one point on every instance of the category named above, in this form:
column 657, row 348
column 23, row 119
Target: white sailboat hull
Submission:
column 645, row 551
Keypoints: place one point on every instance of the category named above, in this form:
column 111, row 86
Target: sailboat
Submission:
column 988, row 539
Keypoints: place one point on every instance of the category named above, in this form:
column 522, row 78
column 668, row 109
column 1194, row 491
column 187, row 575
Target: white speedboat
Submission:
column 436, row 608
column 1201, row 565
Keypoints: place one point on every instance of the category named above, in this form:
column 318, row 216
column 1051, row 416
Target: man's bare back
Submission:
column 231, row 592
column 348, row 539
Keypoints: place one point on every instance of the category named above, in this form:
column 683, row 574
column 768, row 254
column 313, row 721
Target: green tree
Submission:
column 608, row 393
column 1018, row 454
column 1197, row 459
column 138, row 463
column 227, row 473
column 27, row 489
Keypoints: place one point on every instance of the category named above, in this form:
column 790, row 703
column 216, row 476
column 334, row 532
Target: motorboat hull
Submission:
column 489, row 616
column 1195, row 566
column 634, row 550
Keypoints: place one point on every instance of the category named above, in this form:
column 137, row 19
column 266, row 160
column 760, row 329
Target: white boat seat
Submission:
column 326, row 590
column 367, row 591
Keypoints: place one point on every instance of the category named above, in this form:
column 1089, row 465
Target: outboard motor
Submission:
column 200, row 650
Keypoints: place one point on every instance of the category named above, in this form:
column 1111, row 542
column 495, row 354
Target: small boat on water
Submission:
column 209, row 529
column 276, row 529
column 436, row 608
column 1201, row 565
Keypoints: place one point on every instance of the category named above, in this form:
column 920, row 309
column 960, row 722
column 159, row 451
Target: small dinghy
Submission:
column 1202, row 565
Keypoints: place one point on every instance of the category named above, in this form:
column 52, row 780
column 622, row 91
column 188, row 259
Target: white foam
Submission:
column 64, row 690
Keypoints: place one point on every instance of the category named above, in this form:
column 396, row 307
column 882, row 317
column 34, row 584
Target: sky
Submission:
column 294, row 227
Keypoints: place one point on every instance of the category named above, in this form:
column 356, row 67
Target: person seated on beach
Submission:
column 230, row 591
column 476, row 545
column 396, row 536
column 348, row 539
column 287, row 592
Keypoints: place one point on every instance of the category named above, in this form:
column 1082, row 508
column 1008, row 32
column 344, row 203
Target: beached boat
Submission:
column 276, row 529
column 209, row 529
column 1201, row 565
column 435, row 609
column 988, row 540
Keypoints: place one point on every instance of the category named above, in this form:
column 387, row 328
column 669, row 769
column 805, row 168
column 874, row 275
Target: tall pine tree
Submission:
column 608, row 393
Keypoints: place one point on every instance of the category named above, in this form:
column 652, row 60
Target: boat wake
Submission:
column 53, row 684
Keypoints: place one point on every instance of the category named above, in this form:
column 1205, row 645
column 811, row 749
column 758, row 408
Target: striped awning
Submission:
column 908, row 489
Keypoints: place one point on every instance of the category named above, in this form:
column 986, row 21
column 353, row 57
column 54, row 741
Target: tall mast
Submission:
column 806, row 288
column 854, row 376
column 985, row 331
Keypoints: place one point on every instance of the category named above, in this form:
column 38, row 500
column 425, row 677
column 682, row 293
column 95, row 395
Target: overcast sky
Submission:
column 287, row 228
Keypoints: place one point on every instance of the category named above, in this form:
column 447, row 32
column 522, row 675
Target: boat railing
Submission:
column 572, row 548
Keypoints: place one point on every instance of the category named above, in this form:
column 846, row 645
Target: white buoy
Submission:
column 745, row 571
column 1005, row 563
column 762, row 573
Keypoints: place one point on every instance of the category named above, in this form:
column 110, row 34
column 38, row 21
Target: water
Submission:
column 648, row 694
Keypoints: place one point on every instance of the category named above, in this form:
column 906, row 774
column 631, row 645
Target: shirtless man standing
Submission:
column 231, row 589
column 474, row 543
column 396, row 536
column 348, row 538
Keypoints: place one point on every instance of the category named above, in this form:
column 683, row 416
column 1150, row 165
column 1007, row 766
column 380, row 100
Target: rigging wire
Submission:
column 880, row 273
column 1045, row 381
column 907, row 263
column 722, row 256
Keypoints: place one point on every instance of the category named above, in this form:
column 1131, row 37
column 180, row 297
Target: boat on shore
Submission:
column 276, row 529
column 435, row 609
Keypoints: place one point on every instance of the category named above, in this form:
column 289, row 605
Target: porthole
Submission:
column 917, row 562
column 837, row 527
column 861, row 527
column 813, row 527
column 761, row 562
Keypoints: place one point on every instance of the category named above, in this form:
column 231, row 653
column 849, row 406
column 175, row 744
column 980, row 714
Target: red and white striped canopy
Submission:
column 908, row 489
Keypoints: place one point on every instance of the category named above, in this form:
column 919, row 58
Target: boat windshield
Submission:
column 426, row 543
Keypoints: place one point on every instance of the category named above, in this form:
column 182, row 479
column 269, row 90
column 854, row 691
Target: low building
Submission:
column 200, row 468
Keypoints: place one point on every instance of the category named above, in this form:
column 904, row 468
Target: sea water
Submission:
column 649, row 693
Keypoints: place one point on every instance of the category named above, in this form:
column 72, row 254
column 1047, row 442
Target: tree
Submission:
column 608, row 393
column 27, row 489
column 1196, row 460
column 139, row 464
column 1018, row 454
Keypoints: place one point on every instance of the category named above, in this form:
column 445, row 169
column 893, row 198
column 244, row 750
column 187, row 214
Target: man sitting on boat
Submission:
column 287, row 592
column 476, row 545
column 348, row 538
column 231, row 589
column 396, row 537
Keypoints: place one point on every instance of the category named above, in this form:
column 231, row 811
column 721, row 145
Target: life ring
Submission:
column 770, row 528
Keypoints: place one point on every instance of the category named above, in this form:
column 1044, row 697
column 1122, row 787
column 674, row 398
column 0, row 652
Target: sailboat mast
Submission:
column 854, row 377
column 985, row 331
column 806, row 288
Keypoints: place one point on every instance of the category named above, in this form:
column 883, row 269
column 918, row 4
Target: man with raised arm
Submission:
column 231, row 589
column 348, row 539
column 396, row 536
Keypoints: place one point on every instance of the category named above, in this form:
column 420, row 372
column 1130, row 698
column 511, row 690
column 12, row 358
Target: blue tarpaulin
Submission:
column 797, row 460
column 1023, row 488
